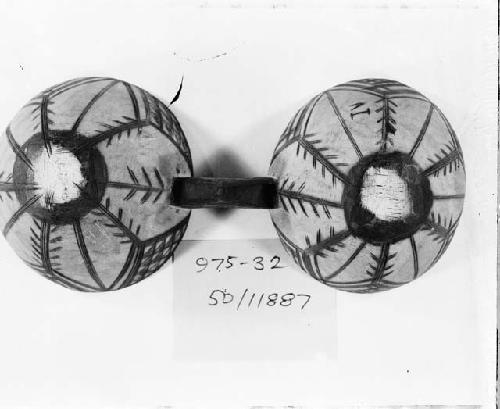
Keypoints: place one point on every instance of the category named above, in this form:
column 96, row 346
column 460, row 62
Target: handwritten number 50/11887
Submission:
column 258, row 263
column 255, row 300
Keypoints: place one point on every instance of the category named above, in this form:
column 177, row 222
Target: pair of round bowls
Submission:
column 365, row 187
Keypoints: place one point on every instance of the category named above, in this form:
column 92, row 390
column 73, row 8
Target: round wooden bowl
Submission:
column 371, row 184
column 86, row 169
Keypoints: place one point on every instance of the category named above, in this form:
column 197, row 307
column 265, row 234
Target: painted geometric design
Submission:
column 314, row 161
column 114, row 227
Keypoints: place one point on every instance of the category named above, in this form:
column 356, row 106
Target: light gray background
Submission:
column 248, row 67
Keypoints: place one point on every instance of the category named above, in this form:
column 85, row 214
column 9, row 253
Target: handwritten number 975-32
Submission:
column 258, row 263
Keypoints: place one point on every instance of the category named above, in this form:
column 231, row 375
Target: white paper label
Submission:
column 246, row 300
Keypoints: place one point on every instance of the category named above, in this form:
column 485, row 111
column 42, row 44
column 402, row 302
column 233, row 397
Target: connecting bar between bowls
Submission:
column 201, row 192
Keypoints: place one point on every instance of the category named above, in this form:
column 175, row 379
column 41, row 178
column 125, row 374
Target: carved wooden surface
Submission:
column 85, row 176
column 318, row 163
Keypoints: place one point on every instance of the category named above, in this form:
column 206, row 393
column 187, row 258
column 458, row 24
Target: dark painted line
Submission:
column 354, row 88
column 436, row 167
column 385, row 119
column 118, row 223
column 308, row 266
column 44, row 245
column 135, row 267
column 324, row 244
column 147, row 107
column 344, row 125
column 309, row 114
column 61, row 88
column 452, row 134
column 90, row 104
column 44, row 124
column 181, row 225
column 109, row 133
column 423, row 130
column 47, row 265
column 124, row 185
column 382, row 261
column 185, row 154
column 291, row 133
column 131, row 254
column 309, row 199
column 133, row 98
column 436, row 228
column 159, row 112
column 348, row 262
column 17, row 149
column 80, row 241
column 294, row 136
column 417, row 97
column 290, row 243
column 15, row 217
column 285, row 145
column 409, row 96
column 334, row 171
column 78, row 85
column 415, row 256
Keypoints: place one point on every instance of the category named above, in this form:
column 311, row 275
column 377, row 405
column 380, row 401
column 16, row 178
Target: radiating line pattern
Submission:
column 332, row 254
column 146, row 186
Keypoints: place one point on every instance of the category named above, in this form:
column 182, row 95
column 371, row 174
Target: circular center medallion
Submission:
column 389, row 198
column 63, row 182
